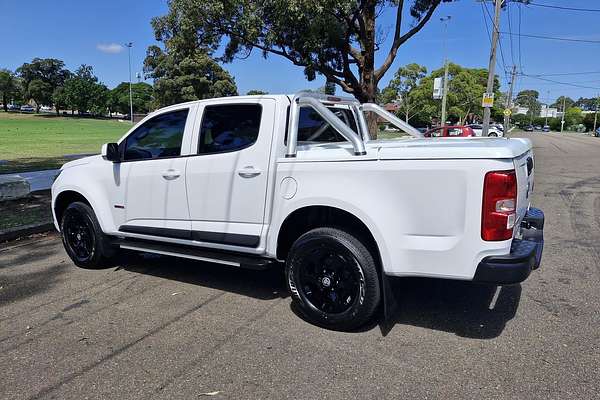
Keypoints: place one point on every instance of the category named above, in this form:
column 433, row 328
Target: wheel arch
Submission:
column 62, row 201
column 305, row 218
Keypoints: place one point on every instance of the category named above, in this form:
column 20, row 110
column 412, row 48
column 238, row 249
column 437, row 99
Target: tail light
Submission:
column 499, row 205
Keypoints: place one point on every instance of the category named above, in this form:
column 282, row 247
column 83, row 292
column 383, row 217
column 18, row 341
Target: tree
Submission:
column 402, row 85
column 50, row 71
column 180, row 77
column 587, row 104
column 465, row 87
column 83, row 93
column 59, row 99
column 529, row 98
column 335, row 38
column 573, row 117
column 41, row 92
column 256, row 92
column 569, row 102
column 9, row 87
column 142, row 95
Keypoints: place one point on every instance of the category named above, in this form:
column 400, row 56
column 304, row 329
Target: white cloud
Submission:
column 110, row 48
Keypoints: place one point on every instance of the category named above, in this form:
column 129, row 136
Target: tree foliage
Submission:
column 46, row 74
column 256, row 92
column 401, row 88
column 529, row 98
column 465, row 88
column 568, row 103
column 185, row 76
column 334, row 38
column 142, row 95
column 9, row 87
column 83, row 93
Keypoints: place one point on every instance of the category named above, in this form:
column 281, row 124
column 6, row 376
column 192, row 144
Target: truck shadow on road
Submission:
column 464, row 308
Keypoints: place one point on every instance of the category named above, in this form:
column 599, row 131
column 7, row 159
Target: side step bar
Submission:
column 198, row 253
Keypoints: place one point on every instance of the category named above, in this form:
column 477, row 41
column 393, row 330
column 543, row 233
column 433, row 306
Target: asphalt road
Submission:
column 165, row 328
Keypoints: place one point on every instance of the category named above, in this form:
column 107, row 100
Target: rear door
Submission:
column 227, row 176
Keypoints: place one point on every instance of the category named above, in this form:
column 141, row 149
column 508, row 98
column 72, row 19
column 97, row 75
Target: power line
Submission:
column 512, row 53
column 564, row 8
column 560, row 83
column 567, row 73
column 504, row 69
column 520, row 63
column 552, row 38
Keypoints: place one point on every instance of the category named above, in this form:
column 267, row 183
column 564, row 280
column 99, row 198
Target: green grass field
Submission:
column 26, row 136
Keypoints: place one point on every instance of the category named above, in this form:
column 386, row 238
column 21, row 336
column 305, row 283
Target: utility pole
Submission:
column 445, row 88
column 491, row 67
column 596, row 114
column 509, row 98
column 129, row 45
column 547, row 107
column 562, row 120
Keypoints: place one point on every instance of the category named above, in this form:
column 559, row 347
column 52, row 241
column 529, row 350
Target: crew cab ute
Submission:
column 296, row 181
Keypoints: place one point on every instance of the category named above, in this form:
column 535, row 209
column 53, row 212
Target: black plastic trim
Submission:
column 525, row 254
column 233, row 239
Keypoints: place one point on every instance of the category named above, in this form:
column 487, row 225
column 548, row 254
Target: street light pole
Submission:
column 490, row 83
column 129, row 45
column 596, row 114
column 562, row 120
column 445, row 87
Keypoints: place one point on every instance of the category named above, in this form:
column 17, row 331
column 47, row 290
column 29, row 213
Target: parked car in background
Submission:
column 528, row 128
column 46, row 108
column 13, row 107
column 597, row 133
column 492, row 131
column 538, row 127
column 450, row 131
column 27, row 108
column 546, row 128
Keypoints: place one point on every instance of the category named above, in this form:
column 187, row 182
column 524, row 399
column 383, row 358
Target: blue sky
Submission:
column 82, row 32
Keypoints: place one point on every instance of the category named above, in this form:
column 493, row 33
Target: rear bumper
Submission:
column 525, row 254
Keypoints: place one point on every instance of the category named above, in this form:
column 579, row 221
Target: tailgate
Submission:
column 524, row 167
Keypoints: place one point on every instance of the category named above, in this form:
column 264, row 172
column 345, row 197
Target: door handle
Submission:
column 249, row 172
column 171, row 174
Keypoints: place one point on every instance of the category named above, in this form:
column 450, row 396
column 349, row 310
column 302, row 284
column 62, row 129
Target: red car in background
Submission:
column 450, row 131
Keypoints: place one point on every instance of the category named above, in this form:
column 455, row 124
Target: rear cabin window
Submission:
column 159, row 137
column 313, row 128
column 229, row 127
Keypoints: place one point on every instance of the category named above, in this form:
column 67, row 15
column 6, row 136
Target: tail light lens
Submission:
column 499, row 205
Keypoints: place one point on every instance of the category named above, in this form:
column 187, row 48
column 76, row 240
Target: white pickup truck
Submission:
column 260, row 181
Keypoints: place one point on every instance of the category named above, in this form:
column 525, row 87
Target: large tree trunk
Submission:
column 368, row 84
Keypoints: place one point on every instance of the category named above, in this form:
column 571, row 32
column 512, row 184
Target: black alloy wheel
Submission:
column 83, row 238
column 79, row 236
column 333, row 278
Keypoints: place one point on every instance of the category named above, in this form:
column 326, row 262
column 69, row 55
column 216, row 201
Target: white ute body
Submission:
column 420, row 198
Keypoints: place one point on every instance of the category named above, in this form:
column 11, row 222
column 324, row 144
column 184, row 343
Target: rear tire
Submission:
column 493, row 134
column 333, row 279
column 83, row 239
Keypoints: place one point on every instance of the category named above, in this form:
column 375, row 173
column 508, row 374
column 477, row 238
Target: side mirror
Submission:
column 110, row 152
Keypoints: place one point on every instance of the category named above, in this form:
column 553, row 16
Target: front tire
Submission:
column 493, row 134
column 83, row 239
column 333, row 279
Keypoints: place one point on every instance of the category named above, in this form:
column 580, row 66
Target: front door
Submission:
column 227, row 179
column 153, row 171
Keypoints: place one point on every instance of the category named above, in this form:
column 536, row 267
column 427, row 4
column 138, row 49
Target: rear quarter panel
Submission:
column 424, row 214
